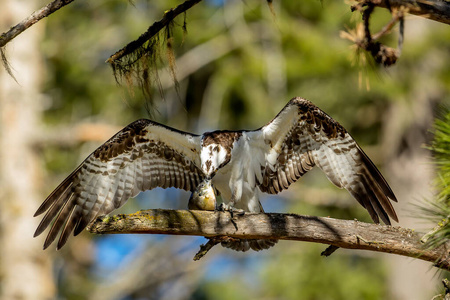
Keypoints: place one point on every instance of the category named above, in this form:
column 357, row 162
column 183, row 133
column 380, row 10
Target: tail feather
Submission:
column 247, row 244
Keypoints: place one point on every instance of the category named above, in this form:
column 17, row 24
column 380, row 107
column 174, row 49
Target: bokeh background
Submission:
column 237, row 66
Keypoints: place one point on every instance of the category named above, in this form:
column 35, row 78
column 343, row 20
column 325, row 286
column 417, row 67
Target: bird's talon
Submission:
column 233, row 211
column 221, row 207
column 240, row 212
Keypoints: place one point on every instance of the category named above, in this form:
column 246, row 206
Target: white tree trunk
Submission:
column 406, row 126
column 25, row 269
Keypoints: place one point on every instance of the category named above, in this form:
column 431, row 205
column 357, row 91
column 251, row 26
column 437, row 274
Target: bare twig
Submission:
column 45, row 11
column 14, row 31
column 382, row 54
column 339, row 233
column 387, row 28
column 152, row 30
column 330, row 250
column 205, row 248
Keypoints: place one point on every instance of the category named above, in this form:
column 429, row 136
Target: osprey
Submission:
column 238, row 165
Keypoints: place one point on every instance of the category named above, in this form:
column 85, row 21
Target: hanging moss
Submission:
column 137, row 63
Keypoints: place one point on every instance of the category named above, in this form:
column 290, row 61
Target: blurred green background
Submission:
column 237, row 66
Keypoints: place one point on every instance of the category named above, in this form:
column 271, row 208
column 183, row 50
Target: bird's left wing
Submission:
column 140, row 157
column 302, row 136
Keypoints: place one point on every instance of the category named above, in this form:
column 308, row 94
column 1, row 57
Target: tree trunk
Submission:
column 25, row 270
column 407, row 130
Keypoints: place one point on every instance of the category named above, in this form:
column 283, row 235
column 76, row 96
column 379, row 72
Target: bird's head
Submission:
column 213, row 157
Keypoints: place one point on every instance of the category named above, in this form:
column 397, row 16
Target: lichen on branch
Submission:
column 349, row 234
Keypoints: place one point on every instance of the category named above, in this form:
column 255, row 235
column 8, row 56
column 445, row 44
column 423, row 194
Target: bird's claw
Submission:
column 231, row 209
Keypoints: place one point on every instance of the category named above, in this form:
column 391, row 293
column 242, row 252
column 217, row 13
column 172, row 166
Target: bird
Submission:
column 236, row 165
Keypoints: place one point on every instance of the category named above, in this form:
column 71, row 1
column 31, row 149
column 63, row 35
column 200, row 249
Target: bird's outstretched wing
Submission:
column 302, row 136
column 140, row 157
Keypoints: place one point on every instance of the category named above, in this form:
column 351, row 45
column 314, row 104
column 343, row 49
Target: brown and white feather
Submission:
column 142, row 156
column 302, row 136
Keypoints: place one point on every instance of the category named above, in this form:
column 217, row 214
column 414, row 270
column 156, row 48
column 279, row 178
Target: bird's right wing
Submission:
column 140, row 157
column 302, row 136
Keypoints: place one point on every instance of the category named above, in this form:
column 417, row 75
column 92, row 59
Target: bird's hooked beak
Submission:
column 209, row 177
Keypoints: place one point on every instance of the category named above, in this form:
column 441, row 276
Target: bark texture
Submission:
column 35, row 17
column 350, row 234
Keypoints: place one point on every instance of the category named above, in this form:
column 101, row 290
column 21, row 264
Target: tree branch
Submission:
column 156, row 27
column 45, row 11
column 340, row 233
column 437, row 10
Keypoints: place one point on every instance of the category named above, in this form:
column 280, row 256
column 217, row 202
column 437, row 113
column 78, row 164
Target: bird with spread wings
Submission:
column 237, row 165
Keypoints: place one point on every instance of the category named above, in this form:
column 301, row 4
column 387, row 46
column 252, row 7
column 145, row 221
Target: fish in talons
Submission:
column 204, row 197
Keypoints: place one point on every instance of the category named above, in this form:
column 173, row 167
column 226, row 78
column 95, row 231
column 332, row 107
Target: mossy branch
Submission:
column 136, row 63
column 350, row 234
column 154, row 29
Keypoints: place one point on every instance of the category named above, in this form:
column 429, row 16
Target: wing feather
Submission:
column 62, row 188
column 302, row 136
column 59, row 222
column 72, row 222
column 54, row 208
column 142, row 156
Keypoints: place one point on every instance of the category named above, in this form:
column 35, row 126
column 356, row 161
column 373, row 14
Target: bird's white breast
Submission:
column 238, row 177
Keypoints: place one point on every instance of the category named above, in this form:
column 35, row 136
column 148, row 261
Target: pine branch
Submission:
column 437, row 10
column 45, row 11
column 349, row 234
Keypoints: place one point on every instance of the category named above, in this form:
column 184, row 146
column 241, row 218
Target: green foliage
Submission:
column 439, row 210
column 441, row 150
